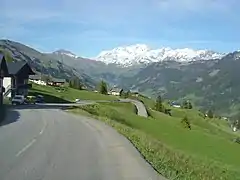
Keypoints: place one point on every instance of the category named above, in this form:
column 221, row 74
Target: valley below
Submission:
column 208, row 79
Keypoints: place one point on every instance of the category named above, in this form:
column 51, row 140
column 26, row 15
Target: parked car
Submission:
column 18, row 99
column 77, row 100
column 30, row 100
column 39, row 99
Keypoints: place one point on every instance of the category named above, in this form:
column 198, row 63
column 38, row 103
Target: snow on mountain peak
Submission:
column 142, row 54
column 65, row 52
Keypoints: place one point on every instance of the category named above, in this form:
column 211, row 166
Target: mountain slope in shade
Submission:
column 142, row 54
column 96, row 69
column 212, row 84
column 44, row 63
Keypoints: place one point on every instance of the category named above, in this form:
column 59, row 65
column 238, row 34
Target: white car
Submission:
column 18, row 99
column 77, row 100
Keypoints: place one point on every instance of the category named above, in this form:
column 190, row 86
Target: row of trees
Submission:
column 187, row 104
column 75, row 83
column 160, row 107
column 103, row 89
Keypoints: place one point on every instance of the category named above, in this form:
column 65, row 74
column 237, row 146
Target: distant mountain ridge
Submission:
column 209, row 79
column 212, row 84
column 142, row 54
column 65, row 52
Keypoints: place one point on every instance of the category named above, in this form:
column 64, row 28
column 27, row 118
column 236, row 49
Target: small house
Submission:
column 175, row 104
column 136, row 94
column 16, row 81
column 37, row 79
column 57, row 82
column 116, row 91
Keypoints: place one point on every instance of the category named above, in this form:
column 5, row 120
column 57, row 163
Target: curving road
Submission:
column 140, row 106
column 46, row 143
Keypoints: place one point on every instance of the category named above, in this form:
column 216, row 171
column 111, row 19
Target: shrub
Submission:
column 186, row 123
column 135, row 110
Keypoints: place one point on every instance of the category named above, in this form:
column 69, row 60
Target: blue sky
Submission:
column 88, row 27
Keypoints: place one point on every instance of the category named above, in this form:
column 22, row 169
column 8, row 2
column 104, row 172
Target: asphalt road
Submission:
column 140, row 106
column 42, row 143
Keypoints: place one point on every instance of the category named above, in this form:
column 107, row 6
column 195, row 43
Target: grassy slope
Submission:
column 69, row 95
column 176, row 152
column 206, row 151
column 214, row 126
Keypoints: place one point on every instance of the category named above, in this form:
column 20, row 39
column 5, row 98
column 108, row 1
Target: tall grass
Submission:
column 175, row 152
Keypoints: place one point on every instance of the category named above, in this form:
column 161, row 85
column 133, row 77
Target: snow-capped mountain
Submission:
column 65, row 52
column 142, row 54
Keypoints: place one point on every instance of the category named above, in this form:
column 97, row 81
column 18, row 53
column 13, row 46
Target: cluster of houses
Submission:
column 115, row 91
column 37, row 79
column 15, row 77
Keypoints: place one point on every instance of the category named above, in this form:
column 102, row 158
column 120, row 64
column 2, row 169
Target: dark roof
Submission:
column 15, row 67
column 35, row 77
column 116, row 90
column 1, row 58
column 55, row 80
column 3, row 65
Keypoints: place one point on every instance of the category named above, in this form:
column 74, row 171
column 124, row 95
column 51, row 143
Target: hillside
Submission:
column 44, row 63
column 66, row 94
column 208, row 84
column 176, row 74
column 205, row 151
column 96, row 69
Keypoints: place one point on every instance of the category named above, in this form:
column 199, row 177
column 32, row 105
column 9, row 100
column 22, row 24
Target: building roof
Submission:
column 55, row 80
column 15, row 67
column 35, row 77
column 1, row 58
column 3, row 65
column 116, row 90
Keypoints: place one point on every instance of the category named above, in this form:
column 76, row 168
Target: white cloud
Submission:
column 106, row 12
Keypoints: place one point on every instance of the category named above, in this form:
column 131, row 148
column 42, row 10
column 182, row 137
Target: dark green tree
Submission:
column 128, row 93
column 190, row 105
column 75, row 83
column 103, row 87
column 187, row 104
column 186, row 123
column 184, row 104
column 158, row 105
column 124, row 95
column 236, row 124
column 210, row 114
column 71, row 83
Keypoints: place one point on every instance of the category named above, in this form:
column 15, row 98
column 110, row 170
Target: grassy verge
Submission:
column 66, row 94
column 173, row 151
